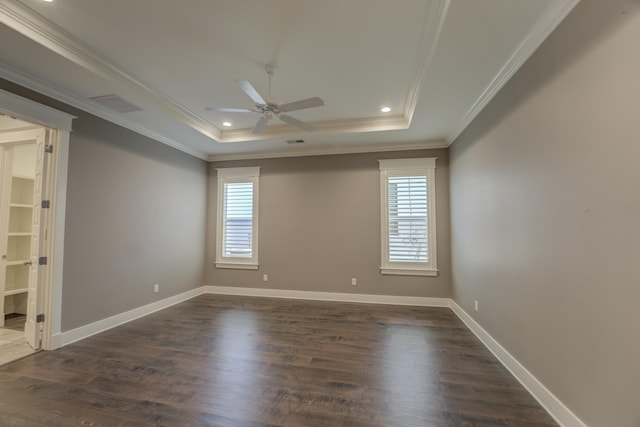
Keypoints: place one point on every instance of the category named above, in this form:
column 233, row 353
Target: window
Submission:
column 407, row 189
column 237, row 219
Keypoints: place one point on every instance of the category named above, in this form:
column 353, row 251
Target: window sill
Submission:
column 408, row 272
column 237, row 266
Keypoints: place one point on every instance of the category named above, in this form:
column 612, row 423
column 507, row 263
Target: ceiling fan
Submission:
column 268, row 107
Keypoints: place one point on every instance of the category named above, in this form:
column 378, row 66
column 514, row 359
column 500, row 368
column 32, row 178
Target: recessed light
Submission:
column 48, row 1
column 385, row 109
column 226, row 124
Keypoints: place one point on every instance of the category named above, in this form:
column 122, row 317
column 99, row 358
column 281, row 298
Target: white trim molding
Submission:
column 38, row 28
column 563, row 415
column 403, row 171
column 329, row 296
column 330, row 151
column 237, row 266
column 25, row 109
column 228, row 179
column 408, row 272
column 547, row 400
column 99, row 326
column 59, row 124
column 431, row 30
column 84, row 104
column 61, row 339
column 555, row 13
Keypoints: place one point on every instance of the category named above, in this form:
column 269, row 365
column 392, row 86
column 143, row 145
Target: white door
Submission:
column 5, row 176
column 22, row 170
column 32, row 329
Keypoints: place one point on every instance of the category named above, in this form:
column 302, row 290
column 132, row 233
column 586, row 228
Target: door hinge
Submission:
column 48, row 148
column 42, row 260
column 40, row 318
column 46, row 204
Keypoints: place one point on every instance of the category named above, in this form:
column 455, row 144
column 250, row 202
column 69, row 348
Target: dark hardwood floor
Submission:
column 239, row 361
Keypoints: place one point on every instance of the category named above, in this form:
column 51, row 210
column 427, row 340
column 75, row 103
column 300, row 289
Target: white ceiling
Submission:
column 436, row 63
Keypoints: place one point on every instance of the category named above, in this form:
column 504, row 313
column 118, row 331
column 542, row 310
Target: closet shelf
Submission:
column 16, row 292
column 17, row 262
column 19, row 233
column 20, row 205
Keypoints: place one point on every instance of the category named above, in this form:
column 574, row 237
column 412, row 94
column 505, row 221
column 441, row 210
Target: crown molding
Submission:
column 431, row 30
column 433, row 23
column 550, row 19
column 368, row 124
column 427, row 145
column 29, row 23
column 39, row 29
column 84, row 104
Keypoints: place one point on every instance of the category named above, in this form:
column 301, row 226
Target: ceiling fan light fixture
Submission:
column 385, row 109
column 270, row 108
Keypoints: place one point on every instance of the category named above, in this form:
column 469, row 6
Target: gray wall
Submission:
column 135, row 217
column 320, row 226
column 545, row 207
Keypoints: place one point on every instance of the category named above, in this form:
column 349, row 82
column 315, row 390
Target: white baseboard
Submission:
column 329, row 296
column 86, row 331
column 548, row 400
column 61, row 339
column 56, row 341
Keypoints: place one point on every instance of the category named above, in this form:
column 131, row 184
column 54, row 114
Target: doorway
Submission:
column 22, row 173
column 43, row 319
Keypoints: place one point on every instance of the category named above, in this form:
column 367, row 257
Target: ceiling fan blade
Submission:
column 232, row 110
column 296, row 122
column 259, row 127
column 250, row 91
column 301, row 105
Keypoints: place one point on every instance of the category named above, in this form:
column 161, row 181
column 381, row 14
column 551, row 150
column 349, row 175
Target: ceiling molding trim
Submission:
column 555, row 13
column 330, row 151
column 39, row 86
column 434, row 22
column 369, row 124
column 36, row 27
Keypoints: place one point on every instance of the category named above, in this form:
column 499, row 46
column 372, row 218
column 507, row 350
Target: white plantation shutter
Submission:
column 407, row 204
column 408, row 216
column 237, row 218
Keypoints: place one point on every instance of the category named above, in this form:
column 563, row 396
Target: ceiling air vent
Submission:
column 295, row 141
column 115, row 103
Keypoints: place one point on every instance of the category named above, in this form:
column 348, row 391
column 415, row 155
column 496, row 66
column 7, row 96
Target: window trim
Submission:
column 425, row 166
column 228, row 175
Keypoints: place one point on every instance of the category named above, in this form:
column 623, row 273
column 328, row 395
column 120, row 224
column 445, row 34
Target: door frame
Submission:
column 9, row 140
column 59, row 124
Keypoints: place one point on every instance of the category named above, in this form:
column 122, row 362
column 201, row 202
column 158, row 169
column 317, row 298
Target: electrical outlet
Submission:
column 354, row 282
column 156, row 288
column 476, row 305
column 265, row 278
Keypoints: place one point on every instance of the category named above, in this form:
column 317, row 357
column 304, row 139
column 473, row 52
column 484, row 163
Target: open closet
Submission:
column 20, row 219
column 17, row 232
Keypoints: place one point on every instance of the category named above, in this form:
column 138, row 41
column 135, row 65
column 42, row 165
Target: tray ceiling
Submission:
column 435, row 63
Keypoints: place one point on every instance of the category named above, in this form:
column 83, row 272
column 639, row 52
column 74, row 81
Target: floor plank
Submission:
column 13, row 346
column 241, row 361
column 15, row 321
